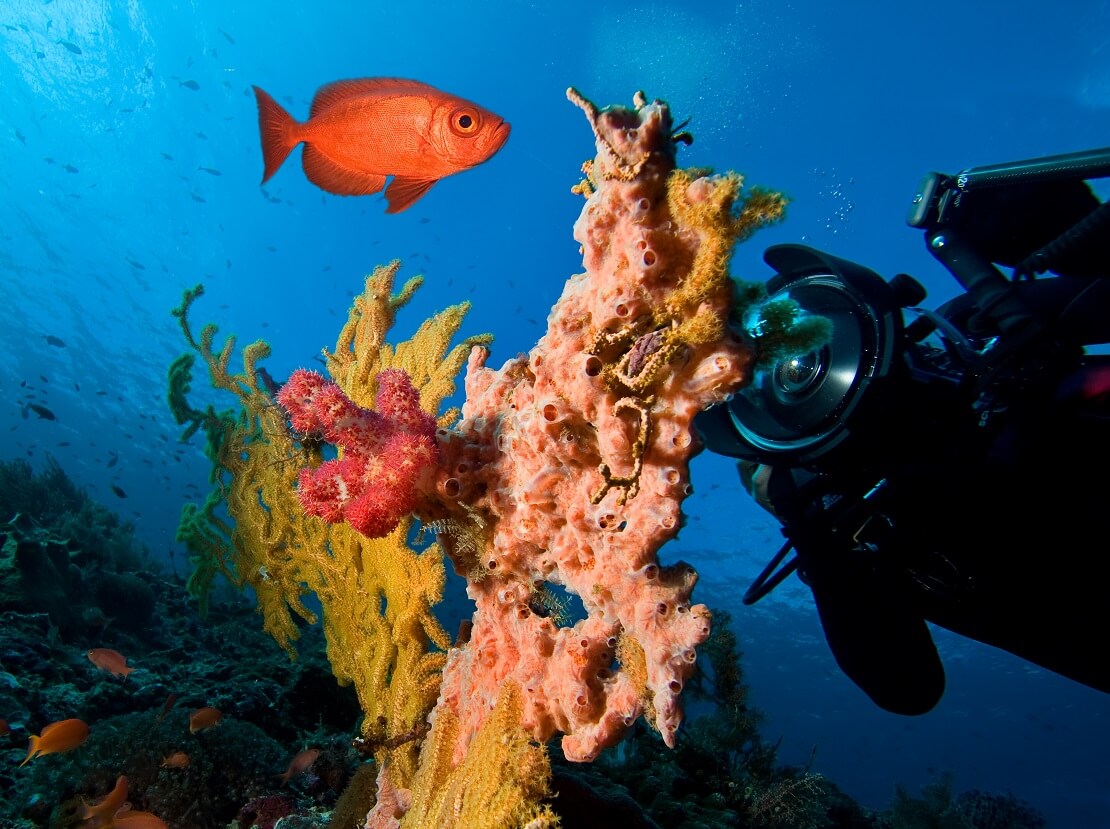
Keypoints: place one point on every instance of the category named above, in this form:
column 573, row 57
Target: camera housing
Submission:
column 805, row 405
column 932, row 465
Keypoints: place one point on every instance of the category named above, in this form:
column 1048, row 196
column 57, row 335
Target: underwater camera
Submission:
column 950, row 465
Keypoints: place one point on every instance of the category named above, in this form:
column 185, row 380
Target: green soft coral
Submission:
column 207, row 537
column 776, row 328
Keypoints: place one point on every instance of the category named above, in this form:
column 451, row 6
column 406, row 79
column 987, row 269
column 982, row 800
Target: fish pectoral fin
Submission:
column 335, row 178
column 402, row 192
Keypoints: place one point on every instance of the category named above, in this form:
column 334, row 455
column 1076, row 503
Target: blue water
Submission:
column 106, row 216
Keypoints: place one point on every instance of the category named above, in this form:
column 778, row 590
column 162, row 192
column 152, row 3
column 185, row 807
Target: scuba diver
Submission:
column 947, row 466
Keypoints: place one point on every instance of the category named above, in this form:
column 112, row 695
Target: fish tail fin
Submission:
column 278, row 130
column 32, row 750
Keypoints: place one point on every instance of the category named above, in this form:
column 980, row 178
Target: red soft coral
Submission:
column 384, row 452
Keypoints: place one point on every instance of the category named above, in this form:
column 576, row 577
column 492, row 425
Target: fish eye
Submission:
column 465, row 121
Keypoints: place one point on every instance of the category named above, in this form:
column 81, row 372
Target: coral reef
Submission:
column 115, row 597
column 357, row 800
column 720, row 773
column 570, row 463
column 567, row 470
column 65, row 555
column 576, row 455
column 987, row 810
column 265, row 811
column 972, row 809
column 135, row 723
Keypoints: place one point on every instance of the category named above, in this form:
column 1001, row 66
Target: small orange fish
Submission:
column 177, row 760
column 106, row 809
column 109, row 660
column 112, row 812
column 60, row 736
column 131, row 819
column 301, row 763
column 360, row 131
column 4, row 729
column 204, row 718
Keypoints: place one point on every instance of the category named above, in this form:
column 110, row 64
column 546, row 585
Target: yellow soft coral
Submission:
column 361, row 350
column 499, row 784
column 376, row 594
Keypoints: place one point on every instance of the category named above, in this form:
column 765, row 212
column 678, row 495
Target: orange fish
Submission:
column 4, row 729
column 105, row 810
column 63, row 735
column 112, row 811
column 109, row 660
column 204, row 718
column 301, row 763
column 130, row 819
column 360, row 131
column 177, row 760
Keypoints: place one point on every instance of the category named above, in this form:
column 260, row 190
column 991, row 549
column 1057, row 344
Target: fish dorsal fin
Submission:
column 330, row 94
column 402, row 192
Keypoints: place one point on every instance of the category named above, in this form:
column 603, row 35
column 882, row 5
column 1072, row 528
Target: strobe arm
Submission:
column 1081, row 165
column 939, row 194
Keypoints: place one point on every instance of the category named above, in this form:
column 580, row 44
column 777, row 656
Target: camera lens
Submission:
column 796, row 374
column 804, row 405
